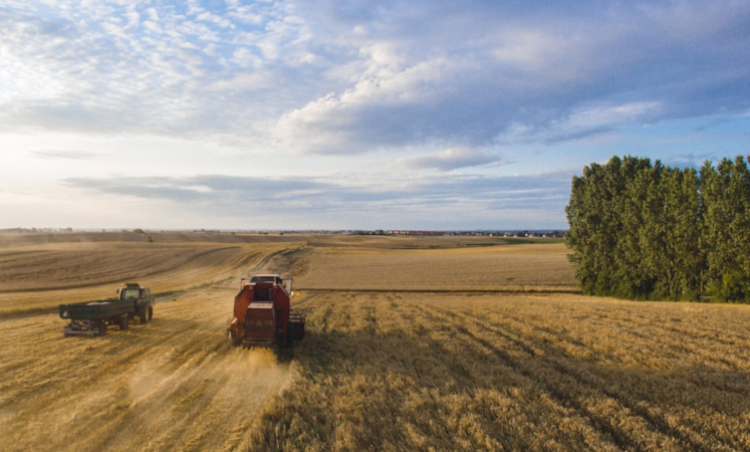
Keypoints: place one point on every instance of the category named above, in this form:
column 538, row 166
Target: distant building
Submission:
column 405, row 232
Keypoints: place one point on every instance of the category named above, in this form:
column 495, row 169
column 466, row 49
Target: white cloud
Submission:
column 358, row 78
column 335, row 203
column 65, row 154
column 614, row 114
column 134, row 19
column 370, row 83
column 153, row 14
column 450, row 159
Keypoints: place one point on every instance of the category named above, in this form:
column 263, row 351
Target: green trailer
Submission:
column 92, row 317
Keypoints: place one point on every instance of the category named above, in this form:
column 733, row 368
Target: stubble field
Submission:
column 40, row 277
column 409, row 347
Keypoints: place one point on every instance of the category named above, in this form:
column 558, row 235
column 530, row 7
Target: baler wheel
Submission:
column 235, row 340
column 289, row 334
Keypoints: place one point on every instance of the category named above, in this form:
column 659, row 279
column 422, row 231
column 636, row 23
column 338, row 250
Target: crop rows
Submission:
column 443, row 372
column 516, row 268
column 174, row 384
column 389, row 366
column 34, row 279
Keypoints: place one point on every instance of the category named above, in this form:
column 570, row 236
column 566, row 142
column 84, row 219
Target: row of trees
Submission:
column 647, row 231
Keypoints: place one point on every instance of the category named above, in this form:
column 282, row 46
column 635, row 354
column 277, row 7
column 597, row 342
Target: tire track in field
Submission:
column 563, row 398
column 108, row 279
column 686, row 344
column 160, row 297
column 553, row 386
column 174, row 384
column 554, row 406
column 659, row 425
column 697, row 329
column 704, row 434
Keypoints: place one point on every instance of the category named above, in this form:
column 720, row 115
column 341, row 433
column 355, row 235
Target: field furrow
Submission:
column 172, row 384
column 186, row 266
column 409, row 346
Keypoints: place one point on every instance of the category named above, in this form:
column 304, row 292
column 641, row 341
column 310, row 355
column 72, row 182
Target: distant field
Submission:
column 424, row 344
column 41, row 238
column 542, row 267
column 43, row 276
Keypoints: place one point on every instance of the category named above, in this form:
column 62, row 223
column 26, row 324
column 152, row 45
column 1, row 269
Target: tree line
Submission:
column 647, row 231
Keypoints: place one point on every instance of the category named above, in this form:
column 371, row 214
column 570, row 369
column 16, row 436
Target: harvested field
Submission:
column 173, row 384
column 514, row 372
column 495, row 268
column 43, row 276
column 526, row 367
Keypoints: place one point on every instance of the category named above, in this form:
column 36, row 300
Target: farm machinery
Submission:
column 262, row 314
column 92, row 317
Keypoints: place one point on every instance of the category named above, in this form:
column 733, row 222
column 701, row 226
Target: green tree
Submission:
column 726, row 198
column 635, row 230
column 670, row 236
column 603, row 209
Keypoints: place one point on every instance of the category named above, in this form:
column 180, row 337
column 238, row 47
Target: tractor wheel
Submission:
column 145, row 314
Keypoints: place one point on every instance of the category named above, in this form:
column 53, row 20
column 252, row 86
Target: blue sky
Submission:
column 352, row 114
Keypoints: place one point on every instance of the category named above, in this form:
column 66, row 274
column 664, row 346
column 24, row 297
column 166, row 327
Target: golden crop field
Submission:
column 172, row 384
column 411, row 345
column 502, row 268
column 513, row 372
column 39, row 277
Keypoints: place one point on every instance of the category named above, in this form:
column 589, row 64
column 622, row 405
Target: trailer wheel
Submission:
column 123, row 323
column 102, row 328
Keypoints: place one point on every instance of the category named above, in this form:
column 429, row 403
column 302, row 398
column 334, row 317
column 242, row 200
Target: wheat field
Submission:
column 173, row 384
column 514, row 372
column 40, row 277
column 499, row 268
column 409, row 346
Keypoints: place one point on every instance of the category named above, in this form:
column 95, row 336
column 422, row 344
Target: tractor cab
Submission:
column 134, row 290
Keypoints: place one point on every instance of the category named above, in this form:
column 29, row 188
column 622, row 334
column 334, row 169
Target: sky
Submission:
column 430, row 115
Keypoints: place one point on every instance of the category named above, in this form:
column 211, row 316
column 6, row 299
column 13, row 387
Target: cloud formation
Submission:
column 451, row 159
column 65, row 154
column 351, row 77
column 414, row 111
column 337, row 204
